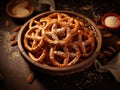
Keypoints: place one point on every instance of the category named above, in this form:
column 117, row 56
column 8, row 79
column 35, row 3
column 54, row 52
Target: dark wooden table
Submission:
column 16, row 70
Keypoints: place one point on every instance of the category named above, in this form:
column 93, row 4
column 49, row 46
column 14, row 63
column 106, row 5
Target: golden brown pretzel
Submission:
column 33, row 23
column 38, row 56
column 64, row 55
column 57, row 56
column 57, row 33
column 86, row 41
column 33, row 39
column 63, row 18
column 58, row 16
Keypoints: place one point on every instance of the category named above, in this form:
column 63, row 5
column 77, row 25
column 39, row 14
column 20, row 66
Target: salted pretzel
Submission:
column 61, row 56
column 86, row 41
column 64, row 55
column 57, row 33
column 74, row 53
column 58, row 16
column 38, row 56
column 33, row 39
column 41, row 23
column 33, row 23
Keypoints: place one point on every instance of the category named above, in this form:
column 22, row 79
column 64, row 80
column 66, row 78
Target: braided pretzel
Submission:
column 33, row 39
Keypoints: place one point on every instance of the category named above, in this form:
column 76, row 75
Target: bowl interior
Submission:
column 64, row 70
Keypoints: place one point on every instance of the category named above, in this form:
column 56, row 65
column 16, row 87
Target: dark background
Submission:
column 16, row 69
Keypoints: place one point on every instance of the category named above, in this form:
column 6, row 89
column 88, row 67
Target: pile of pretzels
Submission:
column 59, row 40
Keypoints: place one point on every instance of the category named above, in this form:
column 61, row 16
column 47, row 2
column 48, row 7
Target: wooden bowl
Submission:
column 19, row 9
column 61, row 70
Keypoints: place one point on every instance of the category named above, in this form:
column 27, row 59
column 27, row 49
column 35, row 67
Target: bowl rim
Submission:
column 110, row 14
column 59, row 69
column 13, row 1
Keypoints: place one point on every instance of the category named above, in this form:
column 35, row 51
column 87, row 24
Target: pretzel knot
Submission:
column 33, row 39
column 63, row 56
column 85, row 41
column 38, row 56
column 57, row 33
column 58, row 16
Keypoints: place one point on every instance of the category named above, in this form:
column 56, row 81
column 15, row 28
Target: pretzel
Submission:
column 59, row 40
column 75, row 54
column 33, row 23
column 64, row 56
column 58, row 16
column 38, row 56
column 57, row 33
column 33, row 39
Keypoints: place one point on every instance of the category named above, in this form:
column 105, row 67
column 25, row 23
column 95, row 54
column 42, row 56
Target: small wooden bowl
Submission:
column 104, row 17
column 13, row 3
column 61, row 70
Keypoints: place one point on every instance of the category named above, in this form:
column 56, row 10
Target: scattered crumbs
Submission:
column 4, row 35
column 14, row 55
column 97, row 19
column 86, row 7
column 89, row 77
